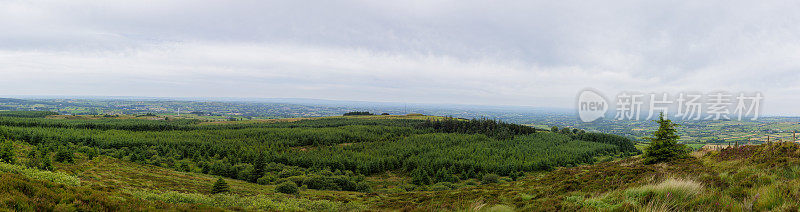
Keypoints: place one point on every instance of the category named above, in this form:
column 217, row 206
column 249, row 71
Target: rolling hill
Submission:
column 335, row 163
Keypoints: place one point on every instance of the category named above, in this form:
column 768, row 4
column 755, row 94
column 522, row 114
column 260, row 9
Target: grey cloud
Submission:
column 486, row 52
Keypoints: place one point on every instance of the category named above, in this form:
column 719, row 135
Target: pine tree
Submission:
column 33, row 158
column 444, row 175
column 220, row 187
column 7, row 152
column 420, row 177
column 664, row 143
column 45, row 162
column 258, row 169
column 64, row 155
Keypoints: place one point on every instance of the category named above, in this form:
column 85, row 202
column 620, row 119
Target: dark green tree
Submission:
column 33, row 158
column 220, row 187
column 7, row 152
column 467, row 174
column 44, row 161
column 554, row 129
column 420, row 177
column 664, row 143
column 64, row 155
column 444, row 175
column 258, row 168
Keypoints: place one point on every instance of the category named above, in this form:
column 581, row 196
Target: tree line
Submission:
column 492, row 128
column 27, row 114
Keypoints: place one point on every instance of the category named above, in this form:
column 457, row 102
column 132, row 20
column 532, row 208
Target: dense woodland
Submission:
column 327, row 153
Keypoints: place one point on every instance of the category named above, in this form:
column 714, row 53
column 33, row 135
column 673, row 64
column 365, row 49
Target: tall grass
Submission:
column 680, row 187
column 769, row 197
column 669, row 195
column 56, row 177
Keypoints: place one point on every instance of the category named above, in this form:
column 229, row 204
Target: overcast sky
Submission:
column 462, row 52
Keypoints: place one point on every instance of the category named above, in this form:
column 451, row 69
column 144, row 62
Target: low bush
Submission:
column 490, row 178
column 442, row 186
column 287, row 187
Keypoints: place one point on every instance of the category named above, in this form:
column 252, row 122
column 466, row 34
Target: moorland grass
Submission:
column 256, row 202
column 56, row 177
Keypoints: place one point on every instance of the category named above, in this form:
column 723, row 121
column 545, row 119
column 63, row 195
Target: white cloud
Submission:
column 519, row 53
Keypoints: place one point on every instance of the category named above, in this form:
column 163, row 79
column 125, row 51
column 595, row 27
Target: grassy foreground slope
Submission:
column 748, row 178
column 765, row 177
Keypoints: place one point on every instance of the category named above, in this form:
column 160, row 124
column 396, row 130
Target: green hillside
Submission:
column 353, row 162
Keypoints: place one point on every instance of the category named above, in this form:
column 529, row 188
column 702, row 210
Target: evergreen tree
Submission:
column 258, row 169
column 444, row 175
column 7, row 152
column 44, row 161
column 220, row 187
column 33, row 158
column 420, row 177
column 64, row 155
column 470, row 173
column 664, row 143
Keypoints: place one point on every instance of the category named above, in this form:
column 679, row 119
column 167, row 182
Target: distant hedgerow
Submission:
column 358, row 113
column 27, row 114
